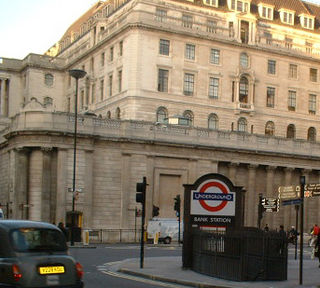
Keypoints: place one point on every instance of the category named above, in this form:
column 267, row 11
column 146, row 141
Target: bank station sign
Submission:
column 212, row 204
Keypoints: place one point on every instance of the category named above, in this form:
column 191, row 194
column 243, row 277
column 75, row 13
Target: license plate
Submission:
column 51, row 270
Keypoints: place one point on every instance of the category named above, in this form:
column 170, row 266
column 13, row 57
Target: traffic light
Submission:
column 177, row 204
column 141, row 191
column 155, row 211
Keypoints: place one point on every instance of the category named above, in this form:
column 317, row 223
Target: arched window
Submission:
column 108, row 115
column 48, row 79
column 118, row 114
column 213, row 122
column 47, row 101
column 243, row 90
column 312, row 134
column 291, row 131
column 242, row 125
column 189, row 115
column 162, row 114
column 244, row 60
column 269, row 129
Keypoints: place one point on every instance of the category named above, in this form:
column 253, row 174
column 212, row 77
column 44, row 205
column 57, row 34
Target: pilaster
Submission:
column 251, row 203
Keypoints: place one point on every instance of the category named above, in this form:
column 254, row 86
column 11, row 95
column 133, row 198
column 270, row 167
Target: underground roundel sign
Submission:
column 213, row 197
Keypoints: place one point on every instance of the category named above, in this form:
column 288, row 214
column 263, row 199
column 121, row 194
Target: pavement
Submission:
column 169, row 269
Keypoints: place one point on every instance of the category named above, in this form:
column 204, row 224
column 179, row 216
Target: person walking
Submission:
column 317, row 248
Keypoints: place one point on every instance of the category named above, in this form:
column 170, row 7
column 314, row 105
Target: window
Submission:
column 291, row 131
column 190, row 51
column 111, row 54
column 118, row 113
column 164, row 47
column 312, row 103
column 93, row 93
column 292, row 100
column 161, row 15
column 244, row 60
column 211, row 26
column 266, row 12
column 188, row 115
column 215, row 56
column 110, row 85
column 213, row 122
column 313, row 75
column 188, row 87
column 243, row 90
column 120, row 81
column 287, row 17
column 312, row 134
column 239, row 5
column 108, row 115
column 270, row 96
column 48, row 79
column 162, row 114
column 272, row 67
column 121, row 48
column 293, row 71
column 213, row 87
column 187, row 21
column 269, row 129
column 242, row 125
column 92, row 64
column 102, row 59
column 82, row 99
column 211, row 2
column 163, row 76
column 101, row 89
column 306, row 22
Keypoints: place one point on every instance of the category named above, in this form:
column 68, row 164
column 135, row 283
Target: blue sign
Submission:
column 291, row 202
column 212, row 196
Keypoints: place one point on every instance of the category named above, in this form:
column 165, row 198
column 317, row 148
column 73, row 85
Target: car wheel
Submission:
column 167, row 240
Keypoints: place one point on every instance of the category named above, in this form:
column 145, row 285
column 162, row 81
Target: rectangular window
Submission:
column 101, row 89
column 164, row 47
column 188, row 86
column 121, row 48
column 120, row 81
column 93, row 93
column 102, row 59
column 214, row 87
column 312, row 103
column 210, row 2
column 161, row 15
column 292, row 100
column 163, row 76
column 270, row 96
column 187, row 21
column 272, row 67
column 111, row 54
column 82, row 98
column 110, row 85
column 215, row 56
column 293, row 71
column 212, row 26
column 313, row 75
column 190, row 51
column 233, row 4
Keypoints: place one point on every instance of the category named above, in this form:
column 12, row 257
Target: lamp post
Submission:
column 77, row 74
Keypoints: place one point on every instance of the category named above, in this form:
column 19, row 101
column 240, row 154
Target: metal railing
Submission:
column 114, row 235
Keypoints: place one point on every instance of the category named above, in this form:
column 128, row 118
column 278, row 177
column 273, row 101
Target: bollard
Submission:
column 85, row 237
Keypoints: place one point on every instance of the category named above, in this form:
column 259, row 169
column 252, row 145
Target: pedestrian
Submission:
column 315, row 230
column 292, row 235
column 283, row 240
column 266, row 228
column 316, row 249
column 63, row 229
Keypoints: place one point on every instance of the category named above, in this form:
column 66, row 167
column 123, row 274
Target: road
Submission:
column 100, row 265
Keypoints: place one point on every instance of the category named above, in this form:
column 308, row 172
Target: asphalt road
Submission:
column 100, row 265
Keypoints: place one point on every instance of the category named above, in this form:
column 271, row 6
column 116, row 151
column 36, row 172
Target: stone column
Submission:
column 252, row 199
column 62, row 185
column 45, row 185
column 125, row 190
column 233, row 172
column 19, row 180
column 289, row 214
column 88, row 191
column 270, row 193
column 4, row 90
column 192, row 167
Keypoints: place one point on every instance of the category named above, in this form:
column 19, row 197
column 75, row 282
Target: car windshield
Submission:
column 35, row 239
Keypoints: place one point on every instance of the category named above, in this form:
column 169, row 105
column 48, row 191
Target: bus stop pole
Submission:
column 302, row 183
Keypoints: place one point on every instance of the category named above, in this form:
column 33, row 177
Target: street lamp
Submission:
column 77, row 74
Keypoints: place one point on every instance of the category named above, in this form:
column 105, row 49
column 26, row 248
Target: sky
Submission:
column 33, row 26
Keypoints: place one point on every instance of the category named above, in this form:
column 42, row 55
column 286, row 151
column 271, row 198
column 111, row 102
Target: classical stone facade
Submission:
column 244, row 76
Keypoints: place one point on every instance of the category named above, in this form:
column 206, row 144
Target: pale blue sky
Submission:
column 33, row 26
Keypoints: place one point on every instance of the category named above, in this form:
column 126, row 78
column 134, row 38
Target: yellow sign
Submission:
column 51, row 270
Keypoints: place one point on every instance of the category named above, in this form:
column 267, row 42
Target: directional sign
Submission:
column 312, row 190
column 291, row 202
column 270, row 204
column 289, row 192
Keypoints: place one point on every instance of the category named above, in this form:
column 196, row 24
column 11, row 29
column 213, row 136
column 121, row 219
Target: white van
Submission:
column 167, row 229
column 1, row 214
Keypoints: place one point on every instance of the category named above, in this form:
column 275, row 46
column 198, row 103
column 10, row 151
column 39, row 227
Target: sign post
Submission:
column 302, row 183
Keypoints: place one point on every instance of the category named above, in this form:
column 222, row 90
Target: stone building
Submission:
column 241, row 76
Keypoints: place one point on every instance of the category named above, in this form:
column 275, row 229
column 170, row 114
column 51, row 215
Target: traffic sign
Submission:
column 312, row 190
column 270, row 204
column 289, row 192
column 291, row 202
